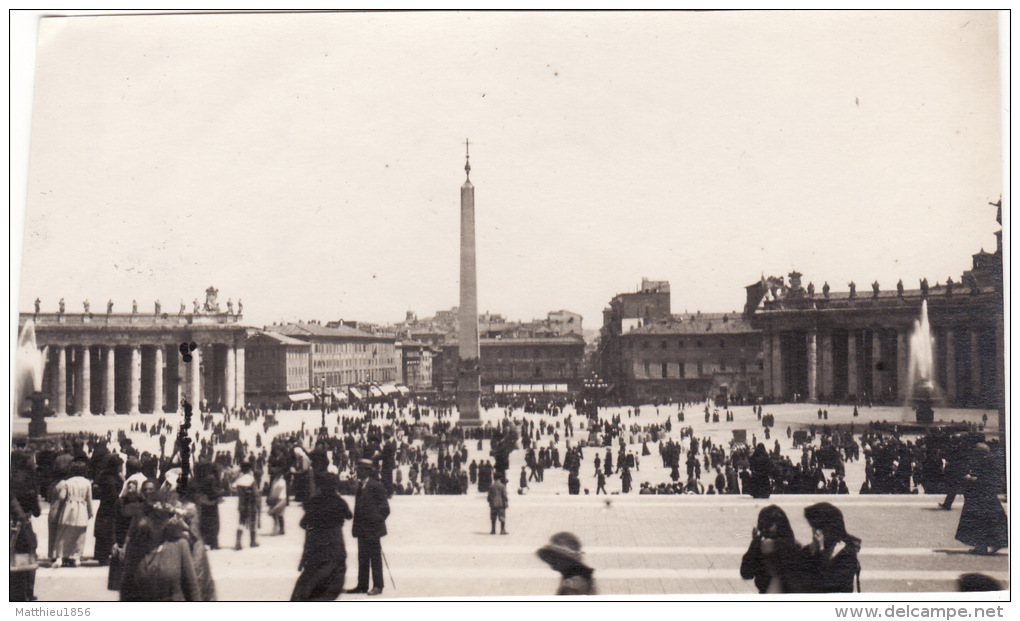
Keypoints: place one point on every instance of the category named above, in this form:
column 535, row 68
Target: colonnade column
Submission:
column 229, row 381
column 812, row 369
column 136, row 379
column 975, row 367
column 777, row 366
column 851, row 363
column 60, row 396
column 83, row 394
column 876, row 358
column 766, row 347
column 902, row 365
column 109, row 404
column 195, row 368
column 827, row 368
column 950, row 366
column 157, row 381
column 239, row 376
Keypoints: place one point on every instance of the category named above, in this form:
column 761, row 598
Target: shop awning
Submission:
column 339, row 395
column 403, row 390
column 375, row 391
column 356, row 393
column 388, row 389
column 300, row 396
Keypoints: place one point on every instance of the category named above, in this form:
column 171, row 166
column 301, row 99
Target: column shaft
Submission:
column 876, row 359
column 84, row 389
column 950, row 366
column 777, row 367
column 109, row 402
column 902, row 365
column 195, row 372
column 135, row 392
column 239, row 376
column 851, row 363
column 812, row 369
column 827, row 369
column 766, row 345
column 60, row 407
column 157, row 381
column 229, row 380
column 975, row 367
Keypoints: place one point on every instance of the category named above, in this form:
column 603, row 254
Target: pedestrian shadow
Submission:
column 965, row 551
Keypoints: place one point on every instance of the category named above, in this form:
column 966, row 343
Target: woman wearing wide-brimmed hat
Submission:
column 829, row 563
column 563, row 553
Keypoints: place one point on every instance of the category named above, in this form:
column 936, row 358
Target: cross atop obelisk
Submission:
column 468, row 367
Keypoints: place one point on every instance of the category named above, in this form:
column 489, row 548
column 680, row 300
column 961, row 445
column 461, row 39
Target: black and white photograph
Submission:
column 703, row 306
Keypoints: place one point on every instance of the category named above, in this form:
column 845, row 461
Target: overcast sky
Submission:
column 311, row 164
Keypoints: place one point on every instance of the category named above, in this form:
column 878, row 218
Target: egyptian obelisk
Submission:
column 468, row 375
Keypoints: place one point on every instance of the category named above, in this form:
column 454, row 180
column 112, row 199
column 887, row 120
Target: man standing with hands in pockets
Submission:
column 370, row 512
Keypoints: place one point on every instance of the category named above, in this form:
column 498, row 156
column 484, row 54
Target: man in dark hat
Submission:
column 370, row 512
column 563, row 553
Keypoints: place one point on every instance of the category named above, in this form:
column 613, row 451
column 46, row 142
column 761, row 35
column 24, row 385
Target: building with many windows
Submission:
column 342, row 357
column 277, row 369
column 646, row 353
column 552, row 364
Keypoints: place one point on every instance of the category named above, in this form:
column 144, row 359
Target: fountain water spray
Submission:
column 921, row 390
column 28, row 367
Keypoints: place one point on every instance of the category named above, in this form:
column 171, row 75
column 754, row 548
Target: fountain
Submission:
column 921, row 376
column 28, row 366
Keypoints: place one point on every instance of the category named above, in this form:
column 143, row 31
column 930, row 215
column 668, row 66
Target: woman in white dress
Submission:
column 75, row 497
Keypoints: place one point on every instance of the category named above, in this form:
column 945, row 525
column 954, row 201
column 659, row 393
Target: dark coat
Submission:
column 324, row 561
column 983, row 521
column 370, row 510
column 816, row 574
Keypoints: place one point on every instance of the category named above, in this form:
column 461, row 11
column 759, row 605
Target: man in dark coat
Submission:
column 370, row 512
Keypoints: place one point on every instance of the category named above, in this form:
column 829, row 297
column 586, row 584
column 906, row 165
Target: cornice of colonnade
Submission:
column 81, row 330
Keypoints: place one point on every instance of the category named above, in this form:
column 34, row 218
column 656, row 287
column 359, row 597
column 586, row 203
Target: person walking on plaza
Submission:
column 563, row 553
column 75, row 498
column 323, row 564
column 498, row 503
column 247, row 504
column 524, row 479
column 602, row 483
column 983, row 522
column 370, row 512
column 278, row 499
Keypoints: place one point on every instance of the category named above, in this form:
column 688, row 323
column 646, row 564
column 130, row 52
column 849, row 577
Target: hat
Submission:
column 367, row 464
column 562, row 551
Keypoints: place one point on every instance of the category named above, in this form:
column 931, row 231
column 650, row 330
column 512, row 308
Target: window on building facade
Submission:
column 644, row 344
column 680, row 344
column 701, row 370
column 681, row 368
column 697, row 343
column 663, row 345
column 648, row 369
column 743, row 366
column 722, row 343
column 665, row 367
column 722, row 365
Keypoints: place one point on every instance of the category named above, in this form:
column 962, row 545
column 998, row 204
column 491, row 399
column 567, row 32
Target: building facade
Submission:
column 342, row 357
column 520, row 365
column 120, row 363
column 415, row 364
column 277, row 369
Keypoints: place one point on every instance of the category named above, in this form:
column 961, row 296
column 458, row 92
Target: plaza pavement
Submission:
column 439, row 546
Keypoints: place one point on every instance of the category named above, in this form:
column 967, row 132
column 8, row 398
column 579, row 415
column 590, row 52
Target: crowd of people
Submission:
column 129, row 484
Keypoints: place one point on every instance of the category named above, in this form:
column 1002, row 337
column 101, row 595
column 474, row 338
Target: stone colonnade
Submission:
column 141, row 378
column 851, row 361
